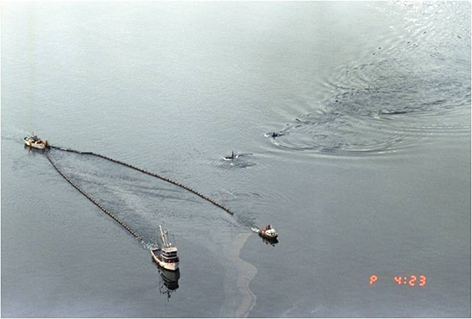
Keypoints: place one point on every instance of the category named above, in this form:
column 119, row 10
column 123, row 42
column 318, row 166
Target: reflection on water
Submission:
column 33, row 151
column 268, row 241
column 169, row 281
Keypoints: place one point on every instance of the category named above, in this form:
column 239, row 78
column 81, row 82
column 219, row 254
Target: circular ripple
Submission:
column 417, row 84
column 340, row 134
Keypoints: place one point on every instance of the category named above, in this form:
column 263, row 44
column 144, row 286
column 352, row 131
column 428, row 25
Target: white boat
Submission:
column 166, row 256
column 35, row 142
column 268, row 232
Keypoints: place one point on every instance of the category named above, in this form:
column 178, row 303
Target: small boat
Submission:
column 230, row 158
column 166, row 256
column 35, row 142
column 268, row 232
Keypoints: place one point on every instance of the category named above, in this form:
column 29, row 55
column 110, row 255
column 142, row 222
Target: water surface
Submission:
column 352, row 118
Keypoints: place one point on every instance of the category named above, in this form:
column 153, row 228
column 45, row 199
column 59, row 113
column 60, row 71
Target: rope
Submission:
column 148, row 173
column 119, row 221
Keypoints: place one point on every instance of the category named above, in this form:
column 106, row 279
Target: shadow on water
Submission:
column 414, row 85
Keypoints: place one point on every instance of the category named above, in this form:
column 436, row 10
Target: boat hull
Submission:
column 168, row 266
column 267, row 236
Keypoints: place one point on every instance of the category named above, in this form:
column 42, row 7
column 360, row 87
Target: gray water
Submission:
column 352, row 118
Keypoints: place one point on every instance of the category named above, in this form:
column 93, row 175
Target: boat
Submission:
column 35, row 142
column 166, row 255
column 268, row 233
column 232, row 157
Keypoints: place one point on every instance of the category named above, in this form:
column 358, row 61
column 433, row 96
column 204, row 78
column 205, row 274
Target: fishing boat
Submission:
column 268, row 232
column 166, row 255
column 35, row 142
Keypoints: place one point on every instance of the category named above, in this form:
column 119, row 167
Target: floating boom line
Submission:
column 119, row 221
column 147, row 173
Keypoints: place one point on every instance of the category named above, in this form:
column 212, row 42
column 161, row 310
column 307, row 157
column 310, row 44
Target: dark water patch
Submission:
column 395, row 90
column 337, row 133
column 141, row 201
column 409, row 86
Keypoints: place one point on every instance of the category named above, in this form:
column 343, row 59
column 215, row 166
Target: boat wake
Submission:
column 241, row 160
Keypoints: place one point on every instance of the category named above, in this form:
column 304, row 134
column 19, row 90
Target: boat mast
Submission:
column 163, row 237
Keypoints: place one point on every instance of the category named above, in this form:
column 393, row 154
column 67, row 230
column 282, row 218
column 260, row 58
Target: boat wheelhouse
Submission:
column 268, row 232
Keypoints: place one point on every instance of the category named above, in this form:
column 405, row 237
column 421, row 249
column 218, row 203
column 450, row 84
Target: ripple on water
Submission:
column 336, row 133
column 417, row 84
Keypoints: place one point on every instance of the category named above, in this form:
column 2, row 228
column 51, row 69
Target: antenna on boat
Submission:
column 161, row 234
column 163, row 237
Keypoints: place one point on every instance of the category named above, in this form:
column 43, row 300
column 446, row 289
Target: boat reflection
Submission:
column 169, row 282
column 33, row 151
column 270, row 241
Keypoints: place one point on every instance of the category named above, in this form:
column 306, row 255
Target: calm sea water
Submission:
column 353, row 124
